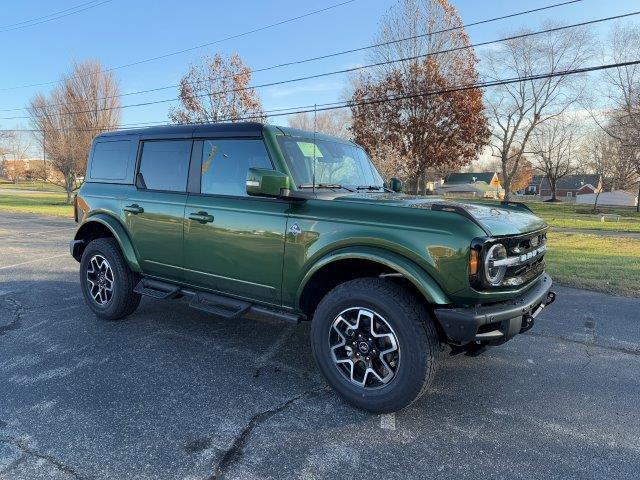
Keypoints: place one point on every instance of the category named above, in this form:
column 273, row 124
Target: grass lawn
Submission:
column 569, row 215
column 40, row 203
column 607, row 264
column 40, row 186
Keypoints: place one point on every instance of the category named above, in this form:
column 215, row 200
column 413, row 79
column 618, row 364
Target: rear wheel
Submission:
column 375, row 344
column 107, row 281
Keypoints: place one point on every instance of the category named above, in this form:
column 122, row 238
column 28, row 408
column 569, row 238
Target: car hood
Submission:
column 495, row 217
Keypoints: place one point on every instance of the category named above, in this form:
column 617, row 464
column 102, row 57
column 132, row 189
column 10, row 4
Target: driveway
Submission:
column 174, row 393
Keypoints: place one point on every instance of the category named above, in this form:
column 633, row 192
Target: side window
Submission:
column 225, row 164
column 164, row 165
column 109, row 160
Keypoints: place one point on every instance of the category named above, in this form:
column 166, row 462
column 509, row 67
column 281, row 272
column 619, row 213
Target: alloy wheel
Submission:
column 100, row 279
column 364, row 347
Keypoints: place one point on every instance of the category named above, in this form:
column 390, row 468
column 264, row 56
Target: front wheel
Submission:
column 375, row 344
column 107, row 281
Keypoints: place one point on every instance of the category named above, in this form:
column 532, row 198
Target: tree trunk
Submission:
column 595, row 204
column 638, row 204
column 553, row 191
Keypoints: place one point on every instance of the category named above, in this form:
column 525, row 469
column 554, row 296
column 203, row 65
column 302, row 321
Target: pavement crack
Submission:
column 30, row 452
column 236, row 450
column 15, row 309
column 588, row 343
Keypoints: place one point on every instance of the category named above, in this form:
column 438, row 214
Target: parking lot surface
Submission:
column 174, row 393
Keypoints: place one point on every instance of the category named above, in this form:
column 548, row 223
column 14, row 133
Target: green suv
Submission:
column 250, row 220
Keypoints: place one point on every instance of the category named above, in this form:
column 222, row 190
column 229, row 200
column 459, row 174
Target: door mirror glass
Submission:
column 267, row 183
column 395, row 184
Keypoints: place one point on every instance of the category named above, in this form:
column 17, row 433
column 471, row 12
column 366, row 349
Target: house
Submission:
column 616, row 197
column 490, row 178
column 472, row 184
column 570, row 186
column 534, row 186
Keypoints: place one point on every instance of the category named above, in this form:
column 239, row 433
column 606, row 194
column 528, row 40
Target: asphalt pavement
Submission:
column 174, row 393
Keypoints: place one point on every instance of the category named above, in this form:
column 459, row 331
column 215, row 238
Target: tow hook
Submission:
column 551, row 297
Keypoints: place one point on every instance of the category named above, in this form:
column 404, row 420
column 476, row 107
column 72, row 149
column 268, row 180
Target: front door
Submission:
column 154, row 210
column 233, row 243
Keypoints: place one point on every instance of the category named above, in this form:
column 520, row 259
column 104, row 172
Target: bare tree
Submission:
column 331, row 122
column 515, row 110
column 217, row 90
column 84, row 104
column 14, row 148
column 623, row 91
column 601, row 150
column 554, row 145
column 440, row 132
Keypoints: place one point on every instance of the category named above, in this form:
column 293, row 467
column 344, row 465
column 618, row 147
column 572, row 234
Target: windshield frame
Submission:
column 366, row 170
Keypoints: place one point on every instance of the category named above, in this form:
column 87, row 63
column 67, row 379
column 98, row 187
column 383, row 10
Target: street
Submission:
column 174, row 393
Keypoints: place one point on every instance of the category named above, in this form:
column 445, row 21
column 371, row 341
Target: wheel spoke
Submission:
column 359, row 341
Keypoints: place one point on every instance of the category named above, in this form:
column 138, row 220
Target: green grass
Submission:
column 607, row 264
column 40, row 203
column 568, row 215
column 40, row 186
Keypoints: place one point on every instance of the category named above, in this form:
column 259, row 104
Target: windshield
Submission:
column 336, row 164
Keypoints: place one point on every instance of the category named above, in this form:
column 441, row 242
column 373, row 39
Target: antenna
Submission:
column 315, row 114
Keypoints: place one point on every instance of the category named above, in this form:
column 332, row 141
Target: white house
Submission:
column 617, row 197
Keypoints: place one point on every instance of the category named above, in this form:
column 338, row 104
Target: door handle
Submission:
column 135, row 209
column 202, row 217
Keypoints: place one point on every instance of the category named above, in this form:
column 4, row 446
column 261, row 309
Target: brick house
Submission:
column 568, row 187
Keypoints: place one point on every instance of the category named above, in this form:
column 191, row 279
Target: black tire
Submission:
column 123, row 300
column 417, row 339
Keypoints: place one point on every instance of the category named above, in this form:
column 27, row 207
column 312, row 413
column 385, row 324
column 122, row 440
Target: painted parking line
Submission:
column 49, row 257
column 388, row 421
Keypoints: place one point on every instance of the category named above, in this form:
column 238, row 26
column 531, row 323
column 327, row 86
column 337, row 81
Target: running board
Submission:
column 156, row 289
column 219, row 305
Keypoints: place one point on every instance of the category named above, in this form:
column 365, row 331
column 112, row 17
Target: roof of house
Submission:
column 470, row 177
column 536, row 180
column 573, row 182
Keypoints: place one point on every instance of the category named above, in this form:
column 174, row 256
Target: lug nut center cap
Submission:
column 363, row 347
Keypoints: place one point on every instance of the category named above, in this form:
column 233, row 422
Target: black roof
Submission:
column 573, row 182
column 469, row 177
column 242, row 129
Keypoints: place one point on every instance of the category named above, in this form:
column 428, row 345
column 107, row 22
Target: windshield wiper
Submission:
column 369, row 187
column 324, row 185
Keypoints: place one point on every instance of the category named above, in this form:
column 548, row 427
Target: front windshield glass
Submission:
column 336, row 164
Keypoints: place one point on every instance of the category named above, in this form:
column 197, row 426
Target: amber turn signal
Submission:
column 473, row 262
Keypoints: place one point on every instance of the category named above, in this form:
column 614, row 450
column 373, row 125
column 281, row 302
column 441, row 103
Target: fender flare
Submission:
column 119, row 233
column 424, row 282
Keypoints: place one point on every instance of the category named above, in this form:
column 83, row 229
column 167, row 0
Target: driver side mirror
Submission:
column 395, row 184
column 267, row 183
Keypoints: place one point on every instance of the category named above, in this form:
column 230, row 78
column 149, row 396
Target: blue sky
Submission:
column 120, row 32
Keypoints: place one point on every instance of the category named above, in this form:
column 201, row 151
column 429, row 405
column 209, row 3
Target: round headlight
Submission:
column 493, row 274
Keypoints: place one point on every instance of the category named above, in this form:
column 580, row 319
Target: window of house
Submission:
column 569, row 194
column 164, row 165
column 225, row 164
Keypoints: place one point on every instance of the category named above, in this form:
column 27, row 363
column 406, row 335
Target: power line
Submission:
column 343, row 52
column 348, row 70
column 178, row 52
column 349, row 104
column 52, row 16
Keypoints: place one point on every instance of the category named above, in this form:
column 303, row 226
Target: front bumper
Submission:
column 498, row 322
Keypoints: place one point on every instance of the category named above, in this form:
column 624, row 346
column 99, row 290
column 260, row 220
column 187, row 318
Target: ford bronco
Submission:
column 251, row 220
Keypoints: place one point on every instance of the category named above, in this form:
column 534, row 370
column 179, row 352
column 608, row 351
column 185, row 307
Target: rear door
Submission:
column 234, row 243
column 154, row 210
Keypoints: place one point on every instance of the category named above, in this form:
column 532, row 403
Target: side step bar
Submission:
column 215, row 304
column 156, row 289
column 219, row 305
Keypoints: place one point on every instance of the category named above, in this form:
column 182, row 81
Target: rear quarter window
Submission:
column 110, row 160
